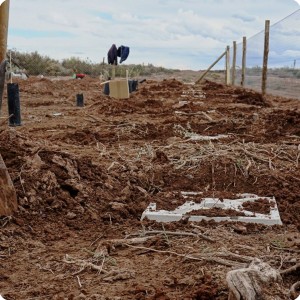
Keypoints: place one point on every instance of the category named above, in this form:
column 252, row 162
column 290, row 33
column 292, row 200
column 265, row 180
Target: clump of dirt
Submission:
column 261, row 206
column 206, row 289
column 251, row 98
column 212, row 86
column 216, row 212
column 283, row 122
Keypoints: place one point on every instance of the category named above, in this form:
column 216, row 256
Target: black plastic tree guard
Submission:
column 14, row 110
column 79, row 100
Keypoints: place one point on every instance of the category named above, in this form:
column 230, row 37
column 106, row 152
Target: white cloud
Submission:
column 171, row 33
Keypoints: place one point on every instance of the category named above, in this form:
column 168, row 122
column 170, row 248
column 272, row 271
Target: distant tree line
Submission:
column 283, row 72
column 34, row 63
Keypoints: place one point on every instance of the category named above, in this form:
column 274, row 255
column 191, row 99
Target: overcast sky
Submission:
column 184, row 34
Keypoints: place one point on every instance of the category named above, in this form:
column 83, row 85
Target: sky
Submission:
column 178, row 34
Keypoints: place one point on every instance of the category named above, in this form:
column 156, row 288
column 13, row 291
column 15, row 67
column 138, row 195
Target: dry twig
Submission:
column 83, row 264
column 175, row 233
column 163, row 252
column 5, row 120
column 209, row 258
column 284, row 249
column 79, row 283
column 290, row 270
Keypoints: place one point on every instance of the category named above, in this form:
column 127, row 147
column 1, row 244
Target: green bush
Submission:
column 35, row 64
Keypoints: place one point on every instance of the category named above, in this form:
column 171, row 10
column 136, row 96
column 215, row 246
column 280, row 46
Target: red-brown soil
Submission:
column 84, row 176
column 262, row 206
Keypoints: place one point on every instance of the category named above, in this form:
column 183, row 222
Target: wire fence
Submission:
column 283, row 62
column 283, row 76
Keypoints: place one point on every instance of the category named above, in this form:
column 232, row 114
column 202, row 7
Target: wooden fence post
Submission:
column 265, row 60
column 8, row 196
column 233, row 64
column 227, row 76
column 4, row 12
column 244, row 61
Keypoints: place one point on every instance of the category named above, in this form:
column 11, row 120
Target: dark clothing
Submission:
column 123, row 52
column 112, row 56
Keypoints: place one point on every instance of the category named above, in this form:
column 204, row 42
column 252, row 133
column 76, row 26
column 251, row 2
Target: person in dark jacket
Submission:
column 112, row 55
column 123, row 52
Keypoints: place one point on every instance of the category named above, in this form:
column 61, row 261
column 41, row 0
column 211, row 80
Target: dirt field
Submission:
column 84, row 176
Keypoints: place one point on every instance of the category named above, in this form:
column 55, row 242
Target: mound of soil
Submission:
column 84, row 175
column 251, row 98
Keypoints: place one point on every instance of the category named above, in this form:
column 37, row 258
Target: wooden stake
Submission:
column 233, row 64
column 244, row 61
column 227, row 76
column 113, row 73
column 211, row 66
column 265, row 60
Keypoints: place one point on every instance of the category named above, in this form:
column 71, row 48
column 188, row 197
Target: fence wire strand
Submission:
column 283, row 58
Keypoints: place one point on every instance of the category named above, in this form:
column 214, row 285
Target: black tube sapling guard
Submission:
column 79, row 100
column 14, row 110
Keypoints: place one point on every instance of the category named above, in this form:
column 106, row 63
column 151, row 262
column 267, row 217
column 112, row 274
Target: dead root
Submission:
column 82, row 264
column 294, row 290
column 174, row 233
column 246, row 283
column 290, row 270
column 110, row 276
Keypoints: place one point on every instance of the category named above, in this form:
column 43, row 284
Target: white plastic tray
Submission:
column 207, row 203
